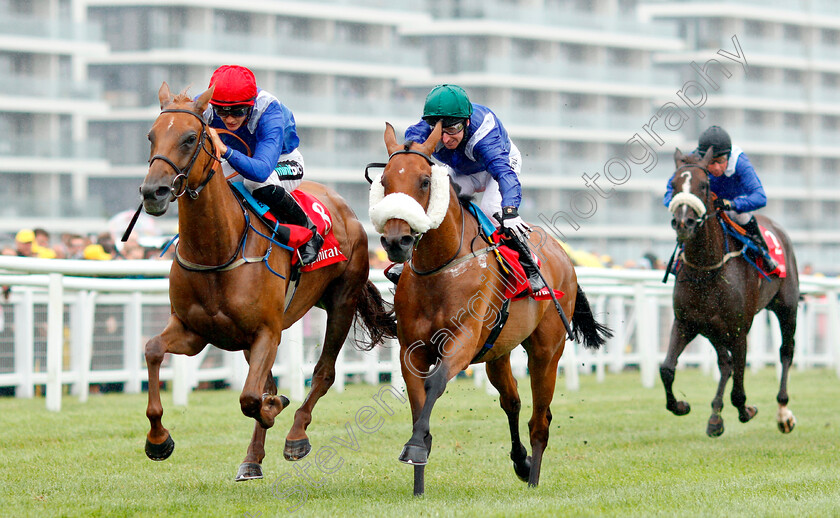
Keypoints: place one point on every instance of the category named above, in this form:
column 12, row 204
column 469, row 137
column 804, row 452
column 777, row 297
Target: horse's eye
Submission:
column 425, row 183
column 189, row 141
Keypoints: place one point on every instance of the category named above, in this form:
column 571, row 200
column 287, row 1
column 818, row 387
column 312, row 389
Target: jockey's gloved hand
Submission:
column 512, row 222
column 722, row 204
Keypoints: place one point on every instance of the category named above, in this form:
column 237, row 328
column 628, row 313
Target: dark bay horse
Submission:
column 717, row 294
column 449, row 298
column 228, row 286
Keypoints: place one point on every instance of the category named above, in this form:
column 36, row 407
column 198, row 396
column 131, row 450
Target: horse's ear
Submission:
column 432, row 142
column 203, row 99
column 391, row 139
column 707, row 157
column 164, row 96
column 679, row 158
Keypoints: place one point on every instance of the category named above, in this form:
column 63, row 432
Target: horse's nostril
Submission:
column 383, row 242
column 673, row 223
column 162, row 191
column 406, row 241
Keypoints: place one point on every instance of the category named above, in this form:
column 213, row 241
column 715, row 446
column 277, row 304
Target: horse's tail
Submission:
column 586, row 329
column 377, row 316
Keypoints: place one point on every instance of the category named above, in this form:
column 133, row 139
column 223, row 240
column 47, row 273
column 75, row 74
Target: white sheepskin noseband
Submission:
column 398, row 205
column 686, row 198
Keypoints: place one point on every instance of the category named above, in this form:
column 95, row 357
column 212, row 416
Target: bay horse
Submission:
column 717, row 293
column 241, row 304
column 448, row 301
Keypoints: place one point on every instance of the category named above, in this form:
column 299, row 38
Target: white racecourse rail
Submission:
column 83, row 323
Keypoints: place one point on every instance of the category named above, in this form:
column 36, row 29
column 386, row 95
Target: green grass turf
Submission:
column 614, row 451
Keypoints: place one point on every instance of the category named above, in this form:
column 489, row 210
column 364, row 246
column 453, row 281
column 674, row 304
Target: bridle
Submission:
column 183, row 174
column 452, row 261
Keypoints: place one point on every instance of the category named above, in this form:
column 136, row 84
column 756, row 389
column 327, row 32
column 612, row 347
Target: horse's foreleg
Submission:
column 681, row 335
column 715, row 426
column 739, row 395
column 339, row 320
column 414, row 366
column 499, row 374
column 787, row 323
column 253, row 401
column 174, row 339
column 251, row 465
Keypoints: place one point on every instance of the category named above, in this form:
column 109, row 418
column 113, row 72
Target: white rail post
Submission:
column 647, row 356
column 25, row 344
column 616, row 344
column 834, row 326
column 55, row 341
column 180, row 380
column 133, row 332
column 293, row 338
column 396, row 368
column 570, row 365
column 84, row 334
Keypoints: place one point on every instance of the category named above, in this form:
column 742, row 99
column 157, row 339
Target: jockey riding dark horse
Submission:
column 735, row 182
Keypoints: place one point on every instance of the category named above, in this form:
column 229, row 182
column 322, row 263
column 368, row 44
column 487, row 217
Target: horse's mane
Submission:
column 182, row 97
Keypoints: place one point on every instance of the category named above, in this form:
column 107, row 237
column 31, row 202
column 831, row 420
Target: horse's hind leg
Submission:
column 177, row 340
column 499, row 374
column 341, row 308
column 715, row 426
column 681, row 335
column 787, row 323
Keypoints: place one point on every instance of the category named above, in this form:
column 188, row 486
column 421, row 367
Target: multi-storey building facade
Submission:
column 578, row 84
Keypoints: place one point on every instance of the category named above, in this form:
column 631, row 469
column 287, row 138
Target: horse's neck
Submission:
column 211, row 225
column 707, row 247
column 442, row 243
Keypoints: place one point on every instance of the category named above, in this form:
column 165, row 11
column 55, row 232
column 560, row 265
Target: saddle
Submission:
column 516, row 282
column 293, row 236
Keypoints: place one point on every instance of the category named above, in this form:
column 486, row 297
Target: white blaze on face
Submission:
column 685, row 197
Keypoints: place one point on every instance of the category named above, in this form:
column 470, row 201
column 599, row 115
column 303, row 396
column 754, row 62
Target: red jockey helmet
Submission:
column 235, row 85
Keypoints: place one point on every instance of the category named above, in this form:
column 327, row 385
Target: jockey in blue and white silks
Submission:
column 481, row 158
column 486, row 160
column 267, row 127
column 734, row 180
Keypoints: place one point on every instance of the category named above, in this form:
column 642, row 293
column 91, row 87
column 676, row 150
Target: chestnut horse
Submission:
column 228, row 286
column 449, row 297
column 717, row 293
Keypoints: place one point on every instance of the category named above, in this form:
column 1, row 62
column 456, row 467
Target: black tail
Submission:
column 377, row 316
column 586, row 329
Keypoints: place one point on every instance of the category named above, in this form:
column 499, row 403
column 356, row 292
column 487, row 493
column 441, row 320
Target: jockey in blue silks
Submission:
column 735, row 182
column 481, row 158
column 275, row 167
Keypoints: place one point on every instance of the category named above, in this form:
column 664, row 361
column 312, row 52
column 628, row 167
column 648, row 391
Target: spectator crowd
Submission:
column 102, row 247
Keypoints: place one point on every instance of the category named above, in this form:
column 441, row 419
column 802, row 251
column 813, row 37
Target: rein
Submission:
column 183, row 174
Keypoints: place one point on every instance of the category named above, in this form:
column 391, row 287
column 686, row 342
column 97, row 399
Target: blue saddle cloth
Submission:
column 486, row 224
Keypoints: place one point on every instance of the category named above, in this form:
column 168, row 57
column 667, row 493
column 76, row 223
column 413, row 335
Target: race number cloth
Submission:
column 319, row 214
column 295, row 235
column 516, row 284
column 776, row 250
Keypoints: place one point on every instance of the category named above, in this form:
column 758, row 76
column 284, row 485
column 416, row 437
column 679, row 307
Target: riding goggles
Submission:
column 454, row 129
column 231, row 111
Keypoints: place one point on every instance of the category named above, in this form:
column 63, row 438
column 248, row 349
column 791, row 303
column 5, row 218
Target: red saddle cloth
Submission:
column 319, row 214
column 516, row 284
column 776, row 250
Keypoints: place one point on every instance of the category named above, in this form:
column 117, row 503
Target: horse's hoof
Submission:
column 296, row 450
column 785, row 419
column 715, row 426
column 160, row 451
column 523, row 469
column 679, row 408
column 748, row 413
column 415, row 455
column 249, row 471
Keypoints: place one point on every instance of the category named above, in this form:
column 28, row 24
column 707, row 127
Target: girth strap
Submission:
column 495, row 332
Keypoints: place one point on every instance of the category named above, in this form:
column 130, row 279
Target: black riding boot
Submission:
column 527, row 262
column 284, row 205
column 754, row 233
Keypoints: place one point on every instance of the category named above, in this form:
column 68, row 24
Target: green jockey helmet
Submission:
column 447, row 102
